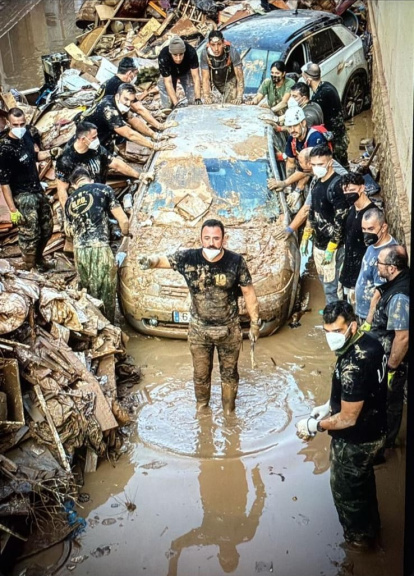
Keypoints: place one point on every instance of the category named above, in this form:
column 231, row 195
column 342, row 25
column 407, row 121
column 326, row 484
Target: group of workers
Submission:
column 363, row 270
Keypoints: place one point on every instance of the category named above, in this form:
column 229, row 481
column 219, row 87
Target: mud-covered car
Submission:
column 219, row 169
column 298, row 37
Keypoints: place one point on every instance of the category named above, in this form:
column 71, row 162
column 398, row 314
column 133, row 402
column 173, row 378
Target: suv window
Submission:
column 323, row 45
column 256, row 67
column 296, row 59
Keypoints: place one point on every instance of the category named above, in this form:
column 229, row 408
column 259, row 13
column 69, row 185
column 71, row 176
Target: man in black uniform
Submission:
column 84, row 149
column 179, row 61
column 113, row 118
column 353, row 185
column 326, row 95
column 355, row 416
column 326, row 222
column 221, row 67
column 30, row 209
column 214, row 276
column 87, row 213
column 127, row 74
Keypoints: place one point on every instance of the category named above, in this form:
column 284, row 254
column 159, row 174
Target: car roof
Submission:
column 278, row 28
column 216, row 131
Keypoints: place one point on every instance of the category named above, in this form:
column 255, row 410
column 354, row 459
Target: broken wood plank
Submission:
column 91, row 461
column 102, row 30
column 107, row 368
column 157, row 8
column 145, row 33
column 165, row 24
column 104, row 12
column 52, row 427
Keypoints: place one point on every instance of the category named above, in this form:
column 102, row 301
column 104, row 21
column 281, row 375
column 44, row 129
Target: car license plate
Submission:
column 181, row 317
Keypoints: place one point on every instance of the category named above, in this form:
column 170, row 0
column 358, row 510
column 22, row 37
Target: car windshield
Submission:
column 256, row 67
column 235, row 189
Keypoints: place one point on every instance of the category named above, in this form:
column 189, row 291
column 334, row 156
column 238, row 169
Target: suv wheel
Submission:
column 355, row 94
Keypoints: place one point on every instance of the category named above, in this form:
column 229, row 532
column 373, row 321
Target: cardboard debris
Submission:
column 146, row 32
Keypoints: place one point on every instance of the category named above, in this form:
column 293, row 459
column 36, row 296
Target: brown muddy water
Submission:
column 205, row 495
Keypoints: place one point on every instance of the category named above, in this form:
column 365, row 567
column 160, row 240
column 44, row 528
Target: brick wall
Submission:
column 392, row 116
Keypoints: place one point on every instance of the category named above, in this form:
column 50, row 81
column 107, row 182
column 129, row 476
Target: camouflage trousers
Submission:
column 36, row 226
column 340, row 148
column 353, row 487
column 227, row 340
column 98, row 275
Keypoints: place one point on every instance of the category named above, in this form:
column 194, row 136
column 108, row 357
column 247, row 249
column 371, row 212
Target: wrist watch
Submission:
column 319, row 427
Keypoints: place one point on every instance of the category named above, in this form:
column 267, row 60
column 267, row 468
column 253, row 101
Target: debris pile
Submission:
column 64, row 402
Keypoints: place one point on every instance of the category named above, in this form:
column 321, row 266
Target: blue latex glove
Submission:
column 119, row 258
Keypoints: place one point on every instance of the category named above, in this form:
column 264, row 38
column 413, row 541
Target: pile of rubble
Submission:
column 64, row 400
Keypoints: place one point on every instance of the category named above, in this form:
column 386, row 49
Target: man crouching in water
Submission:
column 214, row 275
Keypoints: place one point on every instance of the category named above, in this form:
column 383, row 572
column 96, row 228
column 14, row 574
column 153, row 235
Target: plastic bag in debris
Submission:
column 13, row 311
column 23, row 287
column 209, row 7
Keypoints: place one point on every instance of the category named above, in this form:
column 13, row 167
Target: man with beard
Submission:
column 326, row 95
column 221, row 67
column 276, row 88
column 214, row 276
column 355, row 417
column 390, row 325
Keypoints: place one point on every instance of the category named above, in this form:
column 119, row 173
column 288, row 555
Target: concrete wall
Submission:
column 392, row 106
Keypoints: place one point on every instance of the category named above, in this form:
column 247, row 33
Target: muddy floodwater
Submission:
column 207, row 495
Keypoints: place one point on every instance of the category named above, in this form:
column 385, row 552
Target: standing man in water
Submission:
column 214, row 276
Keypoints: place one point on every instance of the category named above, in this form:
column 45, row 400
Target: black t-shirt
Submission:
column 106, row 117
column 18, row 164
column 87, row 213
column 327, row 97
column 328, row 212
column 354, row 246
column 214, row 286
column 168, row 67
column 95, row 161
column 108, row 88
column 360, row 375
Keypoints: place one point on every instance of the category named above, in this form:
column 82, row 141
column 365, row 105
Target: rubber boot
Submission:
column 41, row 263
column 228, row 398
column 29, row 262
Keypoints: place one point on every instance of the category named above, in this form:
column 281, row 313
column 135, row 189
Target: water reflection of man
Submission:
column 223, row 492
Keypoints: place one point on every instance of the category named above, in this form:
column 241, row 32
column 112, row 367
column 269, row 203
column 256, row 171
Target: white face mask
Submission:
column 123, row 107
column 211, row 253
column 18, row 132
column 320, row 171
column 292, row 102
column 336, row 341
column 94, row 144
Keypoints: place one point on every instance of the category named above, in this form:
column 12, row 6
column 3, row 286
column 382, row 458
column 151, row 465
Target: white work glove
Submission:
column 322, row 411
column 147, row 262
column 119, row 258
column 306, row 428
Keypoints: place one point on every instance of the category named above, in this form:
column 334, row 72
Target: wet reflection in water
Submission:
column 227, row 522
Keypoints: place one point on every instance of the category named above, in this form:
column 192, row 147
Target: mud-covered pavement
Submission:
column 205, row 495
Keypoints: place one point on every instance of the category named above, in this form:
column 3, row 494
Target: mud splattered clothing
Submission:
column 87, row 213
column 326, row 95
column 221, row 68
column 95, row 161
column 359, row 375
column 214, row 289
column 393, row 313
column 275, row 93
column 368, row 279
column 108, row 88
column 355, row 247
column 327, row 216
column 106, row 117
column 19, row 171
